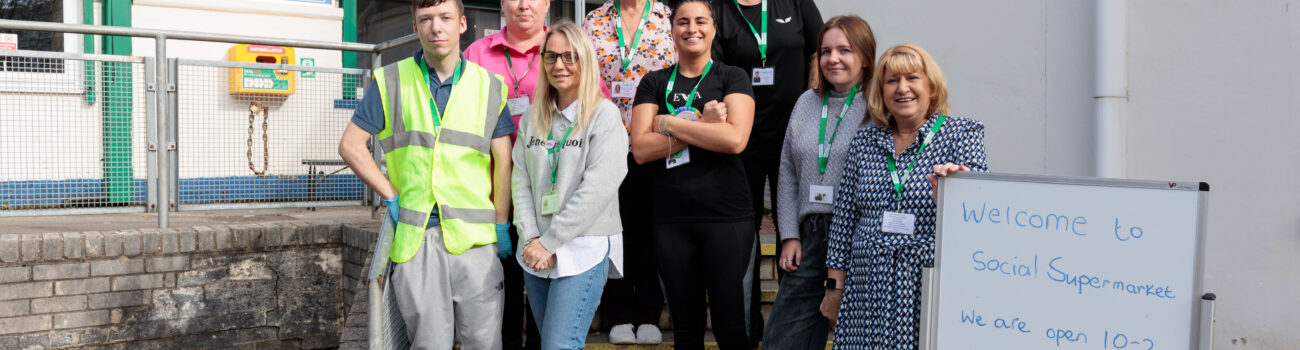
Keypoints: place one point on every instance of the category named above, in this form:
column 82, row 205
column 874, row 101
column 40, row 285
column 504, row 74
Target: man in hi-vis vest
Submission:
column 443, row 126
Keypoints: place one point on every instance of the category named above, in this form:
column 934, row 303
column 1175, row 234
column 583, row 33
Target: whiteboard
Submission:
column 1038, row 262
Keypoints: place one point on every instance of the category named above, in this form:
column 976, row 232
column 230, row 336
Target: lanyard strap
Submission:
column 428, row 79
column 625, row 51
column 893, row 168
column 823, row 147
column 555, row 159
column 512, row 67
column 690, row 98
column 760, row 36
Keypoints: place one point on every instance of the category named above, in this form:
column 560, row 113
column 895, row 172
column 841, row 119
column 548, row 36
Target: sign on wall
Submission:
column 307, row 62
column 8, row 41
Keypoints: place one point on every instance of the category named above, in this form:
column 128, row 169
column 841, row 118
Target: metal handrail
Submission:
column 395, row 42
column 182, row 35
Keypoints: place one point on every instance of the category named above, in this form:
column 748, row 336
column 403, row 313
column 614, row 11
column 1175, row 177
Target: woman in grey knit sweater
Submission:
column 569, row 162
column 816, row 144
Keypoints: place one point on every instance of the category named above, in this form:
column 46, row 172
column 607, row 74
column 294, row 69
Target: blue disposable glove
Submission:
column 393, row 208
column 504, row 248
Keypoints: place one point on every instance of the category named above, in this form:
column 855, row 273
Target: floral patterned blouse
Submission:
column 655, row 51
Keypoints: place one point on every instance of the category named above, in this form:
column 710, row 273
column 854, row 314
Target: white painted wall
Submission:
column 1213, row 86
column 280, row 19
column 213, row 132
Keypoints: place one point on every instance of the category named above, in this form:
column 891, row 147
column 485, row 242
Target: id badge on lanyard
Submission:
column 686, row 112
column 898, row 222
column 763, row 75
column 623, row 89
column 517, row 105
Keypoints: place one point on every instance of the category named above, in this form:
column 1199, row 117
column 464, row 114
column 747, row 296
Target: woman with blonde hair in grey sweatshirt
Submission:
column 568, row 164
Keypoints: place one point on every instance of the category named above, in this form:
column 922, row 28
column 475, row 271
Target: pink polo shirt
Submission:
column 490, row 53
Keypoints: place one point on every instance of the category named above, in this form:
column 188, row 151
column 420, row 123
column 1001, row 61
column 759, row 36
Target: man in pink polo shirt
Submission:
column 514, row 53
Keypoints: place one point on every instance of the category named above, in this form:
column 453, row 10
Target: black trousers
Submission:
column 708, row 259
column 517, row 318
column 760, row 170
column 636, row 298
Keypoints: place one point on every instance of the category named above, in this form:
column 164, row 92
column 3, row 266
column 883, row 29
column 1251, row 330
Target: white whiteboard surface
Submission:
column 1038, row 262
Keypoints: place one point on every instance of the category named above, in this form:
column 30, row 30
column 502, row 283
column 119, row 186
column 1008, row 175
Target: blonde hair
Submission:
column 589, row 96
column 905, row 58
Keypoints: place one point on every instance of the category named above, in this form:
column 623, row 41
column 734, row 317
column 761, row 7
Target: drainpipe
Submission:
column 1110, row 94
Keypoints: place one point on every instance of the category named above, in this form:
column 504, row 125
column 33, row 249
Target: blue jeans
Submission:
column 796, row 321
column 564, row 307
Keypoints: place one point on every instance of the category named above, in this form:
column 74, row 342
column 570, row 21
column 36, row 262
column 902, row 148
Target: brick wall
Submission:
column 233, row 286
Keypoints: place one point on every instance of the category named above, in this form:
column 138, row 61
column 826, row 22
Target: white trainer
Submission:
column 622, row 334
column 648, row 334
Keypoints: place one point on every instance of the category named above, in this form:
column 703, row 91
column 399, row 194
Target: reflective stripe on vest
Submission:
column 450, row 167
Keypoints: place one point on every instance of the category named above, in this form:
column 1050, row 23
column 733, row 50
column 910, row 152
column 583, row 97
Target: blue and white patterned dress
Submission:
column 881, row 304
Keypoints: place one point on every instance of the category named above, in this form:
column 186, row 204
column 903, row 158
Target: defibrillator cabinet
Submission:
column 261, row 82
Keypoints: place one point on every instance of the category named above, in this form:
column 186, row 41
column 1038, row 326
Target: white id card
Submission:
column 764, row 76
column 900, row 223
column 679, row 159
column 623, row 89
column 550, row 203
column 821, row 194
column 517, row 105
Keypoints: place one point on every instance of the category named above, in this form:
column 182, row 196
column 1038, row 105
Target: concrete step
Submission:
column 665, row 321
column 600, row 341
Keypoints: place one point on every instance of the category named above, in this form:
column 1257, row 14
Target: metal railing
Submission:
column 83, row 133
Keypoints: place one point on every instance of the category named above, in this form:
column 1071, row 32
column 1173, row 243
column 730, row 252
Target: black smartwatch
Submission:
column 831, row 284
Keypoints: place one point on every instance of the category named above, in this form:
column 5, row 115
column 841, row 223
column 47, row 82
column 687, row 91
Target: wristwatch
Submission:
column 831, row 284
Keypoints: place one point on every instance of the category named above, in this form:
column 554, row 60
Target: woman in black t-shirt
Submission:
column 691, row 121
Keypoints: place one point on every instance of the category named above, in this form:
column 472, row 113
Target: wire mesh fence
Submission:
column 72, row 132
column 263, row 135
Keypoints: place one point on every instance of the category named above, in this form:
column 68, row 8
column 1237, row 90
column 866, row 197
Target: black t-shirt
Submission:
column 792, row 27
column 712, row 187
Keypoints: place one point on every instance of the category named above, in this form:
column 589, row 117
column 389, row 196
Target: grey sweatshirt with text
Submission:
column 592, row 164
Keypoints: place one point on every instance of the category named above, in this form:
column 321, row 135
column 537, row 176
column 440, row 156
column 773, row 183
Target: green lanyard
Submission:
column 893, row 169
column 424, row 68
column 555, row 159
column 625, row 52
column 690, row 98
column 512, row 68
column 823, row 147
column 761, row 37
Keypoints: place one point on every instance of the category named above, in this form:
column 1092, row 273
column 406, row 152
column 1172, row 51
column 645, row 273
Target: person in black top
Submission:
column 689, row 123
column 773, row 40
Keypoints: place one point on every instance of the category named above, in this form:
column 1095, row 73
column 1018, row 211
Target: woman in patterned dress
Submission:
column 876, row 268
column 632, row 38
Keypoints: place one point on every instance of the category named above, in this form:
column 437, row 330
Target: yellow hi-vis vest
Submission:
column 450, row 167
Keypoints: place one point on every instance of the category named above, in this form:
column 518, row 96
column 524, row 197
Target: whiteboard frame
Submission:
column 930, row 301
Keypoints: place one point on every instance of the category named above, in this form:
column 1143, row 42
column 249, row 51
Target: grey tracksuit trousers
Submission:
column 445, row 297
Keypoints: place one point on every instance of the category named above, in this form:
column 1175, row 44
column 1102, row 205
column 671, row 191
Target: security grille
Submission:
column 72, row 133
column 242, row 149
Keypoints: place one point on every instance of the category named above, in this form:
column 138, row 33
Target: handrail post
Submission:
column 163, row 130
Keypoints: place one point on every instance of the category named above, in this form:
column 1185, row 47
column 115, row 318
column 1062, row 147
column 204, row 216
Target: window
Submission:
column 40, row 11
column 42, row 74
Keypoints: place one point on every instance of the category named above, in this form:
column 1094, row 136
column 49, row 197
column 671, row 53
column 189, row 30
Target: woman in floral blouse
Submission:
column 632, row 38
